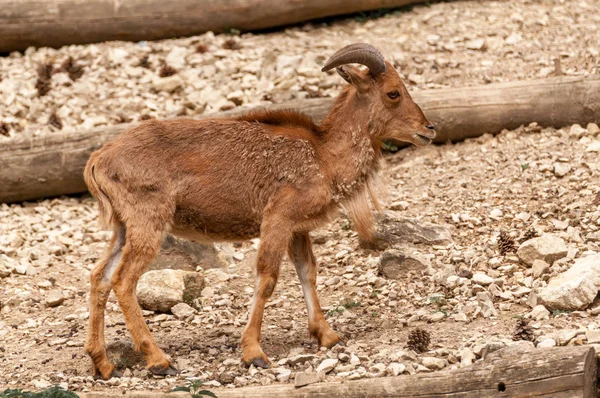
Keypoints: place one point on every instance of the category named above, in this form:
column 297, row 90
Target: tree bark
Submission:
column 543, row 372
column 52, row 165
column 55, row 23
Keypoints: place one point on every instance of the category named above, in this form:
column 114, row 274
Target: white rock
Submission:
column 539, row 313
column 160, row 290
column 460, row 317
column 576, row 131
column 467, row 356
column 496, row 213
column 436, row 317
column 561, row 169
column 433, row 363
column 54, row 298
column 283, row 374
column 593, row 129
column 575, row 288
column 304, row 378
column 539, row 268
column 396, row 368
column 592, row 336
column 168, row 84
column 593, row 147
column 547, row 343
column 117, row 55
column 176, row 57
column 327, row 365
column 476, row 44
column 482, row 279
column 546, row 247
column 182, row 311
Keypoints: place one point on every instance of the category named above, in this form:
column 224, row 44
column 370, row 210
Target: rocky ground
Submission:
column 451, row 280
column 463, row 292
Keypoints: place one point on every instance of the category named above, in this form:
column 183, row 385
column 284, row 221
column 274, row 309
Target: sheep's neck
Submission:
column 352, row 155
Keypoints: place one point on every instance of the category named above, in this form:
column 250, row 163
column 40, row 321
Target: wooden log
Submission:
column 543, row 372
column 53, row 165
column 62, row 22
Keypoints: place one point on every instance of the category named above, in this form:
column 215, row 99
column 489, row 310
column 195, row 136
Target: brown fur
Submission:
column 269, row 174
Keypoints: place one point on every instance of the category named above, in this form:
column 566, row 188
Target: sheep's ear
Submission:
column 354, row 76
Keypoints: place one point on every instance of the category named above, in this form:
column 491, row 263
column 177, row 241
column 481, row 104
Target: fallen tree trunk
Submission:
column 53, row 165
column 550, row 372
column 54, row 23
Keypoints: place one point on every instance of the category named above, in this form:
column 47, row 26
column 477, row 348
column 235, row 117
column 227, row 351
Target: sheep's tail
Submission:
column 107, row 215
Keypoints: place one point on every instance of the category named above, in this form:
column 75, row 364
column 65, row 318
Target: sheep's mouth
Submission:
column 422, row 140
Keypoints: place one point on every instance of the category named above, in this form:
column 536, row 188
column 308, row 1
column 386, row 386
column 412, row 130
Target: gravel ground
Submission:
column 465, row 294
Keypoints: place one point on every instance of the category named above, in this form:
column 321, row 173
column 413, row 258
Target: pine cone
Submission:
column 418, row 340
column 506, row 243
column 54, row 120
column 523, row 331
column 166, row 71
column 529, row 234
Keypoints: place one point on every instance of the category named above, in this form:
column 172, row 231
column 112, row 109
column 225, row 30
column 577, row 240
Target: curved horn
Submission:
column 358, row 53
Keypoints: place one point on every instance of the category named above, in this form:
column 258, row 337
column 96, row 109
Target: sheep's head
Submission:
column 392, row 112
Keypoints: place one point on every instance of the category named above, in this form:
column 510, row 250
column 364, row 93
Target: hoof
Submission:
column 330, row 339
column 261, row 363
column 168, row 371
column 114, row 373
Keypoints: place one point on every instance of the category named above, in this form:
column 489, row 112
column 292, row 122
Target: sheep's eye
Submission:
column 393, row 94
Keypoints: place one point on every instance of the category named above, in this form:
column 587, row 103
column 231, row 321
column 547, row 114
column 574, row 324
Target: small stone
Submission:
column 482, row 279
column 576, row 131
column 593, row 147
column 54, row 298
column 467, row 356
column 182, row 311
column 436, row 317
column 400, row 205
column 299, row 359
column 564, row 336
column 575, row 288
column 433, row 363
column 160, row 290
column 476, row 44
column 546, row 247
column 327, row 365
column 283, row 374
column 547, row 343
column 539, row 268
column 168, row 84
column 539, row 313
column 395, row 264
column 460, row 317
column 396, row 369
column 401, row 229
column 593, row 129
column 303, row 379
column 592, row 336
column 496, row 214
column 561, row 169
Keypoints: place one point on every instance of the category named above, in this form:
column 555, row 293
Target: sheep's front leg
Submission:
column 301, row 254
column 274, row 239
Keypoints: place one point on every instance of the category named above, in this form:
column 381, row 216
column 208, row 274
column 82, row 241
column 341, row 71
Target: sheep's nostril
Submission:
column 430, row 127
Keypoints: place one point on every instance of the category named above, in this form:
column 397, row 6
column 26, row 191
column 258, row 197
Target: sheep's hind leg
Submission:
column 100, row 279
column 141, row 247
